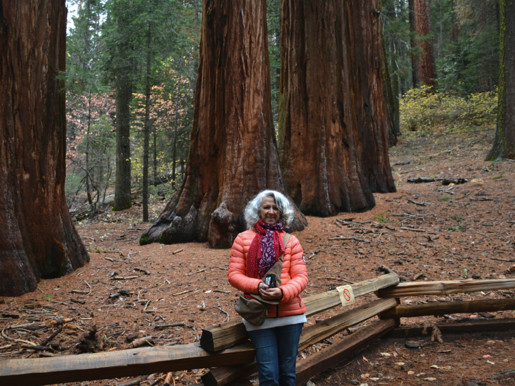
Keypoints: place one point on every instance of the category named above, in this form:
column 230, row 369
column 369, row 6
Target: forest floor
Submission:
column 424, row 231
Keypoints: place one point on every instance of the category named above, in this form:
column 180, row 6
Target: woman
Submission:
column 253, row 253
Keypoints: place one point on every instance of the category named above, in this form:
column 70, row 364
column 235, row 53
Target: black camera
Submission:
column 270, row 280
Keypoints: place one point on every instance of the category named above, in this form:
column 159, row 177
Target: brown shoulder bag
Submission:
column 255, row 309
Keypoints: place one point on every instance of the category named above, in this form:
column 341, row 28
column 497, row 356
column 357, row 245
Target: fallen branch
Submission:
column 27, row 326
column 503, row 260
column 225, row 312
column 183, row 292
column 78, row 292
column 125, row 277
column 22, row 341
column 445, row 181
column 122, row 292
column 10, row 315
column 350, row 222
column 417, row 202
column 169, row 379
column 193, row 273
column 163, row 326
column 349, row 238
column 312, row 254
column 145, row 341
column 52, row 336
column 418, row 230
column 35, row 347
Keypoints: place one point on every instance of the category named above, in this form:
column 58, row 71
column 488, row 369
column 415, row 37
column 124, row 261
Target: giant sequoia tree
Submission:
column 38, row 238
column 233, row 153
column 369, row 86
column 333, row 114
column 504, row 144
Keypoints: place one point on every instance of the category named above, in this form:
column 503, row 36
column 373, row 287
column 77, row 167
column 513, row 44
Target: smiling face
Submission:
column 268, row 211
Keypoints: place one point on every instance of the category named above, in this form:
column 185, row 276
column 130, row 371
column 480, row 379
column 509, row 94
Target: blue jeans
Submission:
column 276, row 354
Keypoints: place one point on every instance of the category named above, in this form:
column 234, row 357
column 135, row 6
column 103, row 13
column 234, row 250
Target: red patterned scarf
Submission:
column 265, row 249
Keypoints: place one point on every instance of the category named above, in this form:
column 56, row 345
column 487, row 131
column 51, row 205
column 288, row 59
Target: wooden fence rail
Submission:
column 140, row 361
column 443, row 308
column 310, row 335
column 226, row 375
column 418, row 288
column 114, row 364
column 219, row 337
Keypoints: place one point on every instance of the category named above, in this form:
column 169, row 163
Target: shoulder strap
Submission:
column 276, row 268
column 286, row 238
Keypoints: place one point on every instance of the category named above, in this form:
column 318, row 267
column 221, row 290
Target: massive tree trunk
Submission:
column 504, row 144
column 324, row 111
column 367, row 69
column 38, row 237
column 425, row 63
column 233, row 153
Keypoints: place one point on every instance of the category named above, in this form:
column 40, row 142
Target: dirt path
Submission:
column 425, row 231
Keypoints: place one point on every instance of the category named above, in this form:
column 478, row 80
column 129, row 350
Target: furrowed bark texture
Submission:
column 369, row 88
column 504, row 143
column 425, row 67
column 415, row 78
column 233, row 154
column 38, row 237
column 323, row 119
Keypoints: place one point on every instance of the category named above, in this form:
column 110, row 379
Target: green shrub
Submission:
column 72, row 183
column 423, row 109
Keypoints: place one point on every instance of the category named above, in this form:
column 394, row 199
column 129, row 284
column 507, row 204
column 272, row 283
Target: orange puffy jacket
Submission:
column 294, row 276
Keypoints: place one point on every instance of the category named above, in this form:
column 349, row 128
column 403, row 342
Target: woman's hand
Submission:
column 270, row 293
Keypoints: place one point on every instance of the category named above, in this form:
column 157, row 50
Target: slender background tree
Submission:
column 504, row 144
column 424, row 61
column 89, row 107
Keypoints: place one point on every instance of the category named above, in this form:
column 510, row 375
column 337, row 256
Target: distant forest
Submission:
column 148, row 53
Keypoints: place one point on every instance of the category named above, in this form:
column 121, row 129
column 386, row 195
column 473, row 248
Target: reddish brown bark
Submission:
column 38, row 237
column 425, row 66
column 369, row 86
column 326, row 113
column 233, row 154
column 415, row 79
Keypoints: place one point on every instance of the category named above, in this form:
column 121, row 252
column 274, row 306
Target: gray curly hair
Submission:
column 251, row 212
